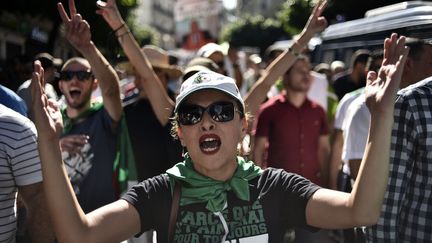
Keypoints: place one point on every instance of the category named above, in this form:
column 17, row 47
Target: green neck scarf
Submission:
column 69, row 122
column 197, row 188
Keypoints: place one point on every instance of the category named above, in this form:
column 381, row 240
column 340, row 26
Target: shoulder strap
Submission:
column 174, row 209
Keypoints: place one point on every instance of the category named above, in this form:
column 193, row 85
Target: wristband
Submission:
column 121, row 26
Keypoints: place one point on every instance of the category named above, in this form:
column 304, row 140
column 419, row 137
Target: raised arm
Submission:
column 79, row 35
column 69, row 221
column 159, row 99
column 283, row 62
column 332, row 209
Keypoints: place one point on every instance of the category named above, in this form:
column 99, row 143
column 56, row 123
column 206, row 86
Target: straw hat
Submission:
column 158, row 59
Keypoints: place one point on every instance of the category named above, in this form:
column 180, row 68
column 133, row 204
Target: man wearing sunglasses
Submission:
column 90, row 130
column 50, row 65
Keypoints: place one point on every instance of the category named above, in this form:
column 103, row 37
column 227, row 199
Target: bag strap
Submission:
column 174, row 209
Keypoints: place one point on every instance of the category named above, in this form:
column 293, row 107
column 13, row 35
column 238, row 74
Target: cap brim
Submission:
column 202, row 87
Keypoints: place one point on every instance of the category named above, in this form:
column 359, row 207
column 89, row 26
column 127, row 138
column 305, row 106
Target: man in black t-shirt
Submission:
column 154, row 148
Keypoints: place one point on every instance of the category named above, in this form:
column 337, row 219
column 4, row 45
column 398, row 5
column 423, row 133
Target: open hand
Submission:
column 47, row 116
column 381, row 88
column 77, row 29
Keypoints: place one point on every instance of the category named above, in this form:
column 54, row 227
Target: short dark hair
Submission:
column 374, row 56
column 47, row 60
column 360, row 56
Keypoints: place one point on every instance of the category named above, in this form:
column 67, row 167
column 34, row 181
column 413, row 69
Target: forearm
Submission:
column 107, row 79
column 371, row 183
column 156, row 92
column 323, row 159
column 275, row 70
column 335, row 159
column 67, row 217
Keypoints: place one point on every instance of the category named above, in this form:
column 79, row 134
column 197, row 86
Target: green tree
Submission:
column 294, row 15
column 253, row 31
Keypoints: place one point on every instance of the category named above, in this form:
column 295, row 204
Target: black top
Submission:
column 344, row 84
column 154, row 148
column 278, row 201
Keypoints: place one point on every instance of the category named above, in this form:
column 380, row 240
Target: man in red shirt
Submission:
column 292, row 129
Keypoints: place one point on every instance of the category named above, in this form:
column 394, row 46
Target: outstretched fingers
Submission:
column 371, row 77
column 72, row 11
column 63, row 15
column 39, row 99
column 319, row 8
column 399, row 58
column 72, row 8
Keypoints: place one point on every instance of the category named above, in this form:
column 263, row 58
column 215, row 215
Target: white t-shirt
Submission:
column 19, row 165
column 343, row 106
column 355, row 130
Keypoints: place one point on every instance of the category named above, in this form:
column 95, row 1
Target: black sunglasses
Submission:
column 81, row 75
column 222, row 111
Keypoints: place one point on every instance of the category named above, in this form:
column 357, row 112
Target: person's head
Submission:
column 77, row 83
column 49, row 64
column 215, row 52
column 298, row 78
column 358, row 64
column 200, row 64
column 159, row 60
column 324, row 68
column 254, row 61
column 418, row 65
column 337, row 66
column 271, row 53
column 375, row 60
column 209, row 120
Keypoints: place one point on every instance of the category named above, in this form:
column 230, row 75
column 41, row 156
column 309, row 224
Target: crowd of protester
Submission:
column 104, row 127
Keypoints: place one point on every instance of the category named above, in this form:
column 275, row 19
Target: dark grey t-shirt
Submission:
column 91, row 170
column 277, row 201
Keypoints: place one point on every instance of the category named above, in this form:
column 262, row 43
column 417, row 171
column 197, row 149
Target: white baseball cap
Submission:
column 208, row 80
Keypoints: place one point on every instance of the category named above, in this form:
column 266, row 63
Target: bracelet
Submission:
column 125, row 33
column 117, row 29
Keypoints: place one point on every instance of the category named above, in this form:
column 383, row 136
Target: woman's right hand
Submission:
column 110, row 13
column 47, row 116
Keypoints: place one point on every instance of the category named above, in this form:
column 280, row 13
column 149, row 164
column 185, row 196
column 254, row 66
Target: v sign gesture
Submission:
column 316, row 22
column 77, row 29
column 79, row 35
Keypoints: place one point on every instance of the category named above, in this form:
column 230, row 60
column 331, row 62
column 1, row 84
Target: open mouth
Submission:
column 74, row 93
column 210, row 144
